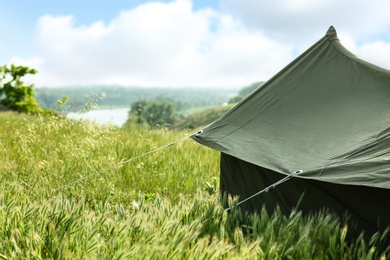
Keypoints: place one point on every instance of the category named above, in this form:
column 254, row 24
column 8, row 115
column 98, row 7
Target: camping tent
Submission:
column 326, row 115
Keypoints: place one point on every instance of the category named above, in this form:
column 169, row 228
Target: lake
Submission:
column 116, row 116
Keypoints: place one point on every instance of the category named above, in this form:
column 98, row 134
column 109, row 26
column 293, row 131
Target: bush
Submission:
column 155, row 112
column 14, row 93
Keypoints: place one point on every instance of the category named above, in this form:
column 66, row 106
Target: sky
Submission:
column 181, row 43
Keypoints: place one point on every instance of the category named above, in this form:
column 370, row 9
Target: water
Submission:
column 116, row 116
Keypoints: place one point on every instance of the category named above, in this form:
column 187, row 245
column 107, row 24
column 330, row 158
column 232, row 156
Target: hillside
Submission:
column 202, row 118
column 245, row 91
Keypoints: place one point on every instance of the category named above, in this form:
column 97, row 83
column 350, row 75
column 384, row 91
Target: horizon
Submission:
column 141, row 87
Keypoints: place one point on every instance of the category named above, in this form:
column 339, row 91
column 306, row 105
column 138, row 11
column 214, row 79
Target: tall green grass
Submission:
column 64, row 194
column 49, row 156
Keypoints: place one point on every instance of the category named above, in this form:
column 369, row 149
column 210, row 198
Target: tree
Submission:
column 14, row 93
column 154, row 112
column 136, row 110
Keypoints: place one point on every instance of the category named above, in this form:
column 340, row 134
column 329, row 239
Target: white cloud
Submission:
column 360, row 24
column 170, row 44
column 155, row 44
column 377, row 52
column 303, row 19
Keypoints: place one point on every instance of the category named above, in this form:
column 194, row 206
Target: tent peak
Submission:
column 331, row 33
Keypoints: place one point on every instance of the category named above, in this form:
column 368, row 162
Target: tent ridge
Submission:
column 332, row 34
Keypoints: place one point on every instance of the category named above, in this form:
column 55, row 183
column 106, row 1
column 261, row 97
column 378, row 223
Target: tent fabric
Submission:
column 366, row 207
column 326, row 113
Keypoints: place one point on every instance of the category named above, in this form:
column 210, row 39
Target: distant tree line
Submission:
column 117, row 96
column 159, row 106
column 162, row 110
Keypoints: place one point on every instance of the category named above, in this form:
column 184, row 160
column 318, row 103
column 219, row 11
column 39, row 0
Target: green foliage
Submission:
column 14, row 93
column 154, row 112
column 65, row 193
column 61, row 102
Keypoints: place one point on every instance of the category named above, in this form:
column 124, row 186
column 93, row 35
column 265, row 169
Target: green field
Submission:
column 67, row 193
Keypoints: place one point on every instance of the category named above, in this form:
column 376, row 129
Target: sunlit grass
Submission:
column 51, row 156
column 66, row 194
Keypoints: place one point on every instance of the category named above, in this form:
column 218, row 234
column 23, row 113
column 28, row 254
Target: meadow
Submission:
column 69, row 191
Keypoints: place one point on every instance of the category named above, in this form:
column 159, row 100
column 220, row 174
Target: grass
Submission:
column 45, row 155
column 65, row 195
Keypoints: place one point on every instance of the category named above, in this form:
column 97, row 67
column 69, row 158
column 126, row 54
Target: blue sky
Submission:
column 21, row 16
column 212, row 43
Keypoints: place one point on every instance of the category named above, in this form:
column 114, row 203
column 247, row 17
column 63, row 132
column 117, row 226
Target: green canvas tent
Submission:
column 325, row 115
